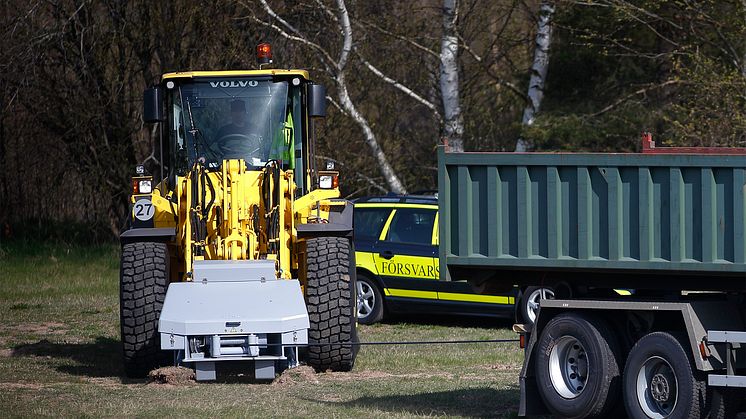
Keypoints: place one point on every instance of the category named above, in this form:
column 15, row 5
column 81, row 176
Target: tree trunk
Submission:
column 370, row 138
column 344, row 97
column 539, row 69
column 453, row 128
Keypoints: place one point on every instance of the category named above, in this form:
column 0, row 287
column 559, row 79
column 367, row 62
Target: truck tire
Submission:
column 143, row 280
column 725, row 402
column 369, row 300
column 659, row 380
column 530, row 300
column 577, row 366
column 330, row 293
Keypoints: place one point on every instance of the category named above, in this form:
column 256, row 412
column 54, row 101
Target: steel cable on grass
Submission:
column 410, row 342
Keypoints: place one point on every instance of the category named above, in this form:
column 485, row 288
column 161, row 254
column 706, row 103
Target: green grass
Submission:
column 60, row 356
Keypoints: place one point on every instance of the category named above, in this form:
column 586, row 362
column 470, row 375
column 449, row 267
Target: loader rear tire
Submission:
column 330, row 297
column 142, row 289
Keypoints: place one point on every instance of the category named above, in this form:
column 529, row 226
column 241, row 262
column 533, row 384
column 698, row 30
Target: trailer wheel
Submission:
column 659, row 380
column 330, row 300
column 531, row 300
column 369, row 301
column 577, row 366
column 143, row 281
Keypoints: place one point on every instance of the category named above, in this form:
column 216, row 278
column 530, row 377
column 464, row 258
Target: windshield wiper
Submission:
column 193, row 130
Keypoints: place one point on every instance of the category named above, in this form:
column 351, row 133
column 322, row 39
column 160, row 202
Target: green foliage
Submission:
column 618, row 132
column 676, row 69
column 710, row 110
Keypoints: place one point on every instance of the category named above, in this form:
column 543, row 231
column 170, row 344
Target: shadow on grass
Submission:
column 102, row 358
column 473, row 402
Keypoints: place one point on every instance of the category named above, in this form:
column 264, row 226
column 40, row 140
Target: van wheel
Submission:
column 659, row 382
column 369, row 301
column 531, row 301
column 577, row 366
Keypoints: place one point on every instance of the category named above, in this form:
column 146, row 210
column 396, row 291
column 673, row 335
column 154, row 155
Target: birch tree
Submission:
column 336, row 68
column 539, row 69
column 449, row 78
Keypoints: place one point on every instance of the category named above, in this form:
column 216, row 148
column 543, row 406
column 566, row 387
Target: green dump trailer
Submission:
column 668, row 226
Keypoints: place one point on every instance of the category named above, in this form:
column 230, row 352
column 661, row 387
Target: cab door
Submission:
column 405, row 253
column 369, row 224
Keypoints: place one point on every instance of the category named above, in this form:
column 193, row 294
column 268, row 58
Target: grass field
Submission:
column 60, row 356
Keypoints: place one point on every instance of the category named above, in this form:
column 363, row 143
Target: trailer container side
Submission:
column 658, row 214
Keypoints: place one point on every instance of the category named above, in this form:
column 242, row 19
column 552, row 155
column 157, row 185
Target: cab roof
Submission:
column 398, row 199
column 235, row 73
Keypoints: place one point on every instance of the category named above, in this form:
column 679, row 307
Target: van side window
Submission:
column 368, row 222
column 412, row 225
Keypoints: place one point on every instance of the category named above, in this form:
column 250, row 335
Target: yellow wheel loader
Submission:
column 240, row 250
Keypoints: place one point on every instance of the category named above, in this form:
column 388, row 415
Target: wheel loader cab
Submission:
column 235, row 230
column 256, row 118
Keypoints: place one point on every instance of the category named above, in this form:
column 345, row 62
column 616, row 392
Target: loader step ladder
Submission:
column 734, row 341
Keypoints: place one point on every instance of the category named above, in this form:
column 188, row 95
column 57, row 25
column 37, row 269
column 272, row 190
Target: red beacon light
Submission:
column 264, row 54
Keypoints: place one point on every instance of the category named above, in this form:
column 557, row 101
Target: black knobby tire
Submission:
column 143, row 282
column 586, row 345
column 725, row 402
column 330, row 301
column 662, row 354
column 372, row 298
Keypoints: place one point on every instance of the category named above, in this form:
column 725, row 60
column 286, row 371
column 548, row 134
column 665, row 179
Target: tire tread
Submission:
column 329, row 295
column 143, row 283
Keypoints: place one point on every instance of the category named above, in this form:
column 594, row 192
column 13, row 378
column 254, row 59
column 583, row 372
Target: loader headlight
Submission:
column 145, row 186
column 142, row 185
column 328, row 181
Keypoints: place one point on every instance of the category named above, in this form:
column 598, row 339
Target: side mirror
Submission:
column 153, row 105
column 316, row 101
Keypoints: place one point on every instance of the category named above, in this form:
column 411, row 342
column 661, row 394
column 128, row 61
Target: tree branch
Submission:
column 344, row 25
column 298, row 39
column 637, row 92
column 401, row 38
column 409, row 92
column 499, row 80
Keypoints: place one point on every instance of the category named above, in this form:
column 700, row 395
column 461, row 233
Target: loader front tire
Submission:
column 143, row 282
column 330, row 290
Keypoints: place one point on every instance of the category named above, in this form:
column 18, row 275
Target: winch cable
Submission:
column 417, row 342
column 379, row 343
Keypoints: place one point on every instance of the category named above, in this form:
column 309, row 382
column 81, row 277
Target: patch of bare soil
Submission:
column 40, row 328
column 6, row 353
column 297, row 375
column 30, row 386
column 503, row 367
column 177, row 376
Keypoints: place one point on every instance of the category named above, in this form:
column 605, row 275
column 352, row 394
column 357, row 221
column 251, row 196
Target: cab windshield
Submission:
column 233, row 118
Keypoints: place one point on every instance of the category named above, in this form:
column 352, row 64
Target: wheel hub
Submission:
column 366, row 299
column 533, row 301
column 659, row 388
column 568, row 367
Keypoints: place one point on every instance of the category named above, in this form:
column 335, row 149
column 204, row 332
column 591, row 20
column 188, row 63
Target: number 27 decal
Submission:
column 143, row 210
